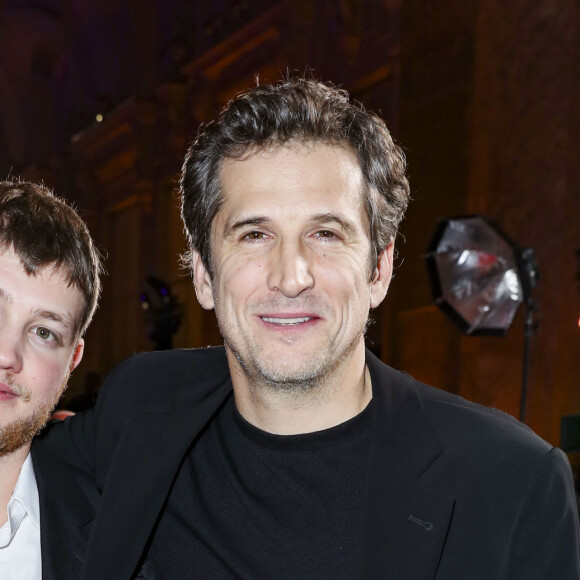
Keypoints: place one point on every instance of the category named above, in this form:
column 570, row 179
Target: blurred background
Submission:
column 99, row 99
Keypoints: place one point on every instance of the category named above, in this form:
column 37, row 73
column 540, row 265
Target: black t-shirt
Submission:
column 252, row 505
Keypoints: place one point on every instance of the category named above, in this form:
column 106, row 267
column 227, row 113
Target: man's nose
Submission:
column 290, row 270
column 10, row 352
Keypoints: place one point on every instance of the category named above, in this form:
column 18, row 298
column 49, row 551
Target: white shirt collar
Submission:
column 26, row 491
column 24, row 501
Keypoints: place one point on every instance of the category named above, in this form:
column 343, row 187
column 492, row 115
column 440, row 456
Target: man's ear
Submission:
column 202, row 282
column 77, row 354
column 382, row 276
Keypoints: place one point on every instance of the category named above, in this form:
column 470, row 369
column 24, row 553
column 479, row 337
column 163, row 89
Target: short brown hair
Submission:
column 298, row 110
column 44, row 230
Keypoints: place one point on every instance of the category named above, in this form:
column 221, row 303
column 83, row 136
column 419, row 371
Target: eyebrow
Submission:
column 65, row 320
column 4, row 296
column 239, row 224
column 320, row 218
column 324, row 218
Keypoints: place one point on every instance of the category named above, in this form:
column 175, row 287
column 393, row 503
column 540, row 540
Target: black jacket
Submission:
column 67, row 499
column 456, row 491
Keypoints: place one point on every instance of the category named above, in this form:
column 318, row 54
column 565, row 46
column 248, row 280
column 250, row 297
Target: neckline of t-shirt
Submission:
column 316, row 439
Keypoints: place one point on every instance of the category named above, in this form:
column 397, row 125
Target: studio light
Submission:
column 479, row 277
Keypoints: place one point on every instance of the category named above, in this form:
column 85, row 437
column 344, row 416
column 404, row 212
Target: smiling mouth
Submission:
column 286, row 321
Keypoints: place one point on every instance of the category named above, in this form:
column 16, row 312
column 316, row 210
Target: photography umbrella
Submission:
column 479, row 277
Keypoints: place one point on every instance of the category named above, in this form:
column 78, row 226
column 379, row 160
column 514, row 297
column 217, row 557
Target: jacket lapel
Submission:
column 406, row 521
column 148, row 456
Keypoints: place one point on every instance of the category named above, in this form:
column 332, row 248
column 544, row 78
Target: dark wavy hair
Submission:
column 44, row 231
column 298, row 110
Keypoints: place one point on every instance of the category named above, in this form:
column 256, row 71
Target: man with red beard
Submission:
column 49, row 287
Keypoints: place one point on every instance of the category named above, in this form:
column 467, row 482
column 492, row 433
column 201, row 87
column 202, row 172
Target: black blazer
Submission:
column 67, row 500
column 456, row 491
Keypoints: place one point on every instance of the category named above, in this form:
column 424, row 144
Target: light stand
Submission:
column 529, row 276
column 479, row 277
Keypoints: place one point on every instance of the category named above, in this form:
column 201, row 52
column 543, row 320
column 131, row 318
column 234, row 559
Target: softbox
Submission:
column 475, row 272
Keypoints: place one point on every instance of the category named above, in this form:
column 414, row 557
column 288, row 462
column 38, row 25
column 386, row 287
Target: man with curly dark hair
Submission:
column 292, row 452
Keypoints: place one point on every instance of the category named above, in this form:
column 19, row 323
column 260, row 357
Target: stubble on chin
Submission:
column 20, row 432
column 309, row 380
